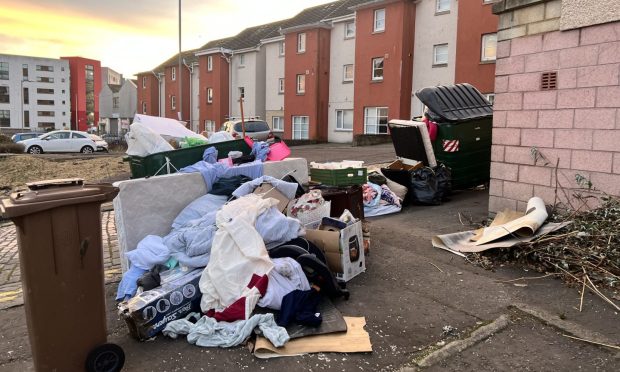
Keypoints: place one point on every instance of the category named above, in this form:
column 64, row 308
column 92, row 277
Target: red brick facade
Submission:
column 218, row 79
column 172, row 89
column 148, row 94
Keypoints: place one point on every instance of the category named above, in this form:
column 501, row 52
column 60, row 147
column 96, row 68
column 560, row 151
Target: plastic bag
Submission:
column 430, row 186
column 142, row 141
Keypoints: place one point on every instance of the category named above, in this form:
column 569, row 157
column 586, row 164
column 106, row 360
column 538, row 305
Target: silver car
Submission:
column 257, row 130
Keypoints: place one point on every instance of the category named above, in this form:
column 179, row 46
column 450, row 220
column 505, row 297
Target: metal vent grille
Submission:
column 549, row 80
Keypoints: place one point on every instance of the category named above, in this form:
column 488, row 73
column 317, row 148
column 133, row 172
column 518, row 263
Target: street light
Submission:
column 22, row 101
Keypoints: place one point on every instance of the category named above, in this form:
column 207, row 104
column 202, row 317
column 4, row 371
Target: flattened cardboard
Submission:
column 268, row 191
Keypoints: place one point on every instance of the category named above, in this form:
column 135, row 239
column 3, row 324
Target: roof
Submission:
column 188, row 56
column 315, row 14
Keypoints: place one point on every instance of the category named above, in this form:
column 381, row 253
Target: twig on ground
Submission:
column 437, row 267
column 593, row 342
column 527, row 278
column 583, row 290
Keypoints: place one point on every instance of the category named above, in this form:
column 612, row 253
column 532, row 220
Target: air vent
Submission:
column 549, row 80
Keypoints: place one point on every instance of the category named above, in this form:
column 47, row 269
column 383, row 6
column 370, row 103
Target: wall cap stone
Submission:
column 504, row 6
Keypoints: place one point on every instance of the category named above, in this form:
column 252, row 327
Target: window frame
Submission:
column 373, row 76
column 301, row 42
column 279, row 128
column 5, row 116
column 483, row 48
column 143, row 82
column 173, row 102
column 281, row 48
column 346, row 29
column 375, row 27
column 7, row 94
column 301, row 132
column 439, row 63
column 242, row 60
column 378, row 117
column 209, row 95
column 442, row 11
column 340, row 120
column 344, row 73
column 209, row 63
column 241, row 91
column 300, row 84
column 280, row 85
column 4, row 71
column 143, row 108
column 173, row 73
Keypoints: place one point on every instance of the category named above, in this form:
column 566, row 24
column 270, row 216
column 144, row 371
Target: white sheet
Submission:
column 166, row 127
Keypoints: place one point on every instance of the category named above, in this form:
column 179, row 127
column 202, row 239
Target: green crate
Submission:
column 339, row 177
column 148, row 165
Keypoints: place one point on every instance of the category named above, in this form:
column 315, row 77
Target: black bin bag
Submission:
column 430, row 186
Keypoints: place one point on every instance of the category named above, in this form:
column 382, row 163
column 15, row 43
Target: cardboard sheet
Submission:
column 355, row 340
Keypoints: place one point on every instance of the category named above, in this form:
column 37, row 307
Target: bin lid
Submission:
column 48, row 194
column 460, row 102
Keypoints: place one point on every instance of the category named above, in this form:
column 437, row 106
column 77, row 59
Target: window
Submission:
column 45, row 91
column 45, row 68
column 301, row 42
column 45, row 102
column 281, row 48
column 241, row 92
column 489, row 47
column 26, row 95
column 379, row 24
column 281, row 85
column 344, row 119
column 41, row 79
column 173, row 102
column 375, row 120
column 301, row 84
column 349, row 30
column 115, row 102
column 5, row 118
column 300, row 127
column 63, row 102
column 4, row 71
column 490, row 97
column 26, row 119
column 46, row 113
column 209, row 63
column 440, row 55
column 77, row 135
column 144, row 108
column 25, row 71
column 173, row 75
column 143, row 82
column 209, row 125
column 4, row 95
column 62, row 80
column 277, row 124
column 442, row 6
column 347, row 73
column 63, row 91
column 241, row 60
column 377, row 69
column 209, row 95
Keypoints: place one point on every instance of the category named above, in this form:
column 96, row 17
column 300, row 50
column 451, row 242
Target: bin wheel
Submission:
column 105, row 358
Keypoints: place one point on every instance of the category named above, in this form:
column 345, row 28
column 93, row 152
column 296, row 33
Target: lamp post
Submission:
column 180, row 112
column 21, row 113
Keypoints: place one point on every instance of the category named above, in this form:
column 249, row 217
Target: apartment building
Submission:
column 34, row 93
column 117, row 102
column 340, row 70
column 85, row 88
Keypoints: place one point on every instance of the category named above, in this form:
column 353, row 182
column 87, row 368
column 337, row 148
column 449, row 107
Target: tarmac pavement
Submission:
column 408, row 294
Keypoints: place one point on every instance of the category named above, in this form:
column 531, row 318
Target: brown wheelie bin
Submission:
column 59, row 237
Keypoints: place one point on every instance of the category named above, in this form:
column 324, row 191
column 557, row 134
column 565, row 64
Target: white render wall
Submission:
column 195, row 99
column 62, row 102
column 342, row 52
column 251, row 76
column 430, row 30
column 274, row 70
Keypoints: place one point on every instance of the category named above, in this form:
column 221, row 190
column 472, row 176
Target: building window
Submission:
column 5, row 118
column 90, row 94
column 301, row 42
column 4, row 94
column 241, row 92
column 63, row 91
column 347, row 73
column 45, row 102
column 281, row 85
column 442, row 6
column 440, row 55
column 26, row 119
column 379, row 24
column 375, row 120
column 241, row 60
column 489, row 48
column 173, row 75
column 25, row 71
column 277, row 124
column 377, row 69
column 344, row 120
column 209, row 126
column 115, row 102
column 26, row 95
column 46, row 113
column 301, row 84
column 42, row 79
column 4, row 71
column 349, row 30
column 143, row 82
column 281, row 48
column 209, row 95
column 45, row 68
column 209, row 63
column 45, row 91
column 300, row 127
column 490, row 97
column 144, row 108
column 173, row 102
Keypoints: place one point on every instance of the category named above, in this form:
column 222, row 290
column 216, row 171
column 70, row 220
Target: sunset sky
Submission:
column 129, row 36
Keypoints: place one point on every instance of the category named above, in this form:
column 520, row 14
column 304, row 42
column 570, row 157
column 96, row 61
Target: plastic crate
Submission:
column 148, row 166
column 339, row 177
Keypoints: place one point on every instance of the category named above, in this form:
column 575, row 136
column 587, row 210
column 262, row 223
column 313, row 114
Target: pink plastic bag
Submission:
column 432, row 128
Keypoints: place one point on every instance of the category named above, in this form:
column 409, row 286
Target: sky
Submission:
column 129, row 36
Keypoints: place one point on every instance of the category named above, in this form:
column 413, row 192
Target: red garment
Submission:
column 432, row 128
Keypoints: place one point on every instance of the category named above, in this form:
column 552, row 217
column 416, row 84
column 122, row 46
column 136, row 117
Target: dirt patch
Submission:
column 16, row 170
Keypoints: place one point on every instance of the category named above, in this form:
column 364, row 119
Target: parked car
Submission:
column 61, row 141
column 113, row 139
column 102, row 145
column 17, row 137
column 255, row 129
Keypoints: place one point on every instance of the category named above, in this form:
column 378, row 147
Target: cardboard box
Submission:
column 404, row 164
column 344, row 250
column 266, row 190
column 148, row 313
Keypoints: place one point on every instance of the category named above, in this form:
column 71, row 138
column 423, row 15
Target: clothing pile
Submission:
column 378, row 197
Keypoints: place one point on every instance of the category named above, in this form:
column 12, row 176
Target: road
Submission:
column 408, row 294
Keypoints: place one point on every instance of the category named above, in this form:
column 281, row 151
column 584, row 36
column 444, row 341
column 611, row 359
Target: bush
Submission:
column 5, row 139
column 11, row 148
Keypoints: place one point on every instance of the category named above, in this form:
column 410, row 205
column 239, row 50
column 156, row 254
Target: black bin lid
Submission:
column 454, row 103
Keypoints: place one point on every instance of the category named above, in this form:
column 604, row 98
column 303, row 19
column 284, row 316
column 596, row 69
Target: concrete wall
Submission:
column 430, row 30
column 340, row 92
column 576, row 126
column 105, row 102
column 582, row 13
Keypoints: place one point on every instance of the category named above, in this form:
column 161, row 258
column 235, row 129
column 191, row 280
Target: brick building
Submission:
column 557, row 99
